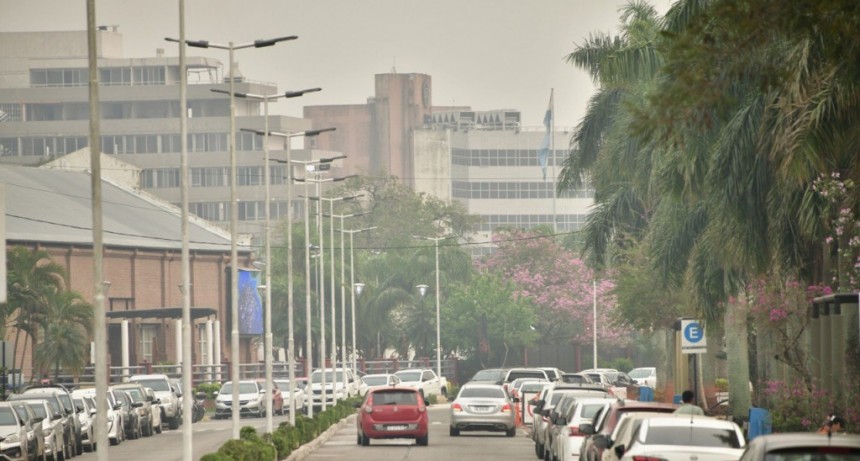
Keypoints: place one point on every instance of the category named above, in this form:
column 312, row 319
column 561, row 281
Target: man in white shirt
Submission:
column 687, row 408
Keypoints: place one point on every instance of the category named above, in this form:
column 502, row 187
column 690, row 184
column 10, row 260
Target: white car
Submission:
column 334, row 385
column 685, row 437
column 115, row 422
column 569, row 439
column 370, row 382
column 156, row 415
column 423, row 379
column 87, row 415
column 627, row 425
column 171, row 409
column 645, row 376
column 251, row 399
column 52, row 427
column 300, row 399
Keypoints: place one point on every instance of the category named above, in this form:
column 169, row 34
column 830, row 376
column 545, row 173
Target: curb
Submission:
column 303, row 451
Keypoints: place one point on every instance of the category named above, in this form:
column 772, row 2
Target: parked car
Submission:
column 547, row 403
column 251, row 399
column 645, row 376
column 333, row 385
column 683, row 437
column 515, row 373
column 156, row 414
column 33, row 426
column 803, row 446
column 132, row 428
column 483, row 407
column 87, row 416
column 176, row 385
column 554, row 374
column 607, row 420
column 169, row 406
column 393, row 413
column 68, row 406
column 13, row 443
column 300, row 397
column 115, row 415
column 627, row 425
column 52, row 428
column 53, row 397
column 569, row 438
column 490, row 376
column 142, row 403
column 553, row 426
column 377, row 381
column 424, row 380
column 517, row 384
column 576, row 378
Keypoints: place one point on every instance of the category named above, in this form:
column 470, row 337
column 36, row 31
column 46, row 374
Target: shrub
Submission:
column 209, row 389
column 795, row 408
column 433, row 399
column 214, row 457
column 246, row 450
column 722, row 384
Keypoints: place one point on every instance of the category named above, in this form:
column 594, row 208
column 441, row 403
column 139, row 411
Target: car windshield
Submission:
column 158, row 385
column 7, row 417
column 135, row 394
column 409, row 375
column 823, row 453
column 244, row 388
column 525, row 374
column 55, row 403
column 588, row 411
column 375, row 380
column 482, row 393
column 573, row 379
column 694, row 436
column 395, row 398
column 316, row 377
column 489, row 375
column 640, row 373
column 39, row 410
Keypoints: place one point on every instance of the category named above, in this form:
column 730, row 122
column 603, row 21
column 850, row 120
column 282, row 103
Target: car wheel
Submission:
column 423, row 441
column 79, row 445
column 453, row 431
column 358, row 439
column 538, row 450
column 365, row 440
column 173, row 423
column 511, row 432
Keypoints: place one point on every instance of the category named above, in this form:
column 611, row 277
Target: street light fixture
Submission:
column 234, row 211
column 267, row 339
column 435, row 241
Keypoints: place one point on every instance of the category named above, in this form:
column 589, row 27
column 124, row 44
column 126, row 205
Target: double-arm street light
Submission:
column 356, row 287
column 330, row 214
column 267, row 337
column 435, row 241
column 310, row 165
column 234, row 211
column 342, row 284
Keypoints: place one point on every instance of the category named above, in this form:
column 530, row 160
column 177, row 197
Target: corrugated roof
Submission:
column 53, row 206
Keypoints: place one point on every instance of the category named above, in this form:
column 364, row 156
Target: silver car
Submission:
column 52, row 428
column 483, row 407
column 13, row 434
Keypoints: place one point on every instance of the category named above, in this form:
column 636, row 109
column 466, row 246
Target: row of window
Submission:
column 564, row 222
column 161, row 178
column 248, row 210
column 108, row 76
column 504, row 157
column 129, row 144
column 512, row 190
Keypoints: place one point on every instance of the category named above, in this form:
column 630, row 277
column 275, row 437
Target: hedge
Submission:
column 285, row 439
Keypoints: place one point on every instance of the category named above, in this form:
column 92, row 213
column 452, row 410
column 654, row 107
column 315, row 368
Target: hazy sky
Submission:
column 487, row 54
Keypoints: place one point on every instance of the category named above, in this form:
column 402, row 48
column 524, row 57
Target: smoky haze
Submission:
column 486, row 54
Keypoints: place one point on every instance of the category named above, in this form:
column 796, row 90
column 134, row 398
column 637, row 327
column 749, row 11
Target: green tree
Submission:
column 66, row 323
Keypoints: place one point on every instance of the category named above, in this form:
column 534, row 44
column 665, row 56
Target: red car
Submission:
column 393, row 413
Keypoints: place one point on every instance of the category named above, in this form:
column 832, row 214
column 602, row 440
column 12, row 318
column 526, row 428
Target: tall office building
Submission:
column 44, row 114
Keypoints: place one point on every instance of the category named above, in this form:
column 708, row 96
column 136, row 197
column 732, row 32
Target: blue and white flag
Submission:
column 543, row 152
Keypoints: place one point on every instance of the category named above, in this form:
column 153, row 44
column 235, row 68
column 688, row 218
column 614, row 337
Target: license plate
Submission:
column 400, row 427
column 482, row 409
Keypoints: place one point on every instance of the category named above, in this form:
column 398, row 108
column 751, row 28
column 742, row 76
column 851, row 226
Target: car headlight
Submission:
column 12, row 438
column 111, row 417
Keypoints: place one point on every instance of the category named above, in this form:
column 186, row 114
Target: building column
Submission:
column 124, row 345
column 217, row 348
column 209, row 350
column 177, row 340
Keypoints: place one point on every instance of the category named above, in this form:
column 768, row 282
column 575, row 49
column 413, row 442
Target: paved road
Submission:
column 470, row 446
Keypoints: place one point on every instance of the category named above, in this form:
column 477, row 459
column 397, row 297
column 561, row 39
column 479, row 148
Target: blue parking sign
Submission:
column 692, row 337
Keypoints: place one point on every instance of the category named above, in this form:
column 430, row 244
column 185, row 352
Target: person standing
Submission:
column 687, row 407
column 835, row 424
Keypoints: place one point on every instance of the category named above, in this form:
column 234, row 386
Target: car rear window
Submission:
column 7, row 417
column 815, row 454
column 489, row 375
column 482, row 393
column 395, row 398
column 375, row 380
column 160, row 385
column 525, row 374
column 693, row 436
column 573, row 379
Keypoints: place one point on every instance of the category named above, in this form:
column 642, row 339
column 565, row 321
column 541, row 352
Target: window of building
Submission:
column 202, row 343
column 147, row 342
column 8, row 147
column 115, row 76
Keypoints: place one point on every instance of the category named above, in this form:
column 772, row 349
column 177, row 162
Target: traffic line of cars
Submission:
column 48, row 421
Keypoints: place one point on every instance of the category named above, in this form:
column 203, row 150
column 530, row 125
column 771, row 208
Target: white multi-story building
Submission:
column 44, row 114
column 490, row 163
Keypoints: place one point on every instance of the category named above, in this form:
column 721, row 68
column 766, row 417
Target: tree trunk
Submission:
column 737, row 351
column 708, row 360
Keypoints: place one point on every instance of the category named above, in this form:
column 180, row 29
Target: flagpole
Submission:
column 552, row 157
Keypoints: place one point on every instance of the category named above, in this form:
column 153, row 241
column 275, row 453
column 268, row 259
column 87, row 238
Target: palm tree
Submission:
column 66, row 323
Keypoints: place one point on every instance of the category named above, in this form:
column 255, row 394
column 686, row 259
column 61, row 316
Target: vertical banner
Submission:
column 250, row 303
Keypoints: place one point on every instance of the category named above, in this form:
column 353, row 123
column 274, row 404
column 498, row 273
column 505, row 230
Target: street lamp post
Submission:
column 234, row 212
column 331, row 216
column 357, row 287
column 438, row 316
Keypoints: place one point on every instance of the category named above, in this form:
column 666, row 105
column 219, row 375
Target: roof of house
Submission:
column 54, row 206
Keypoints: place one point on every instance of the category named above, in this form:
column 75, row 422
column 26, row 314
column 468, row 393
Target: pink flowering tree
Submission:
column 560, row 286
column 842, row 222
